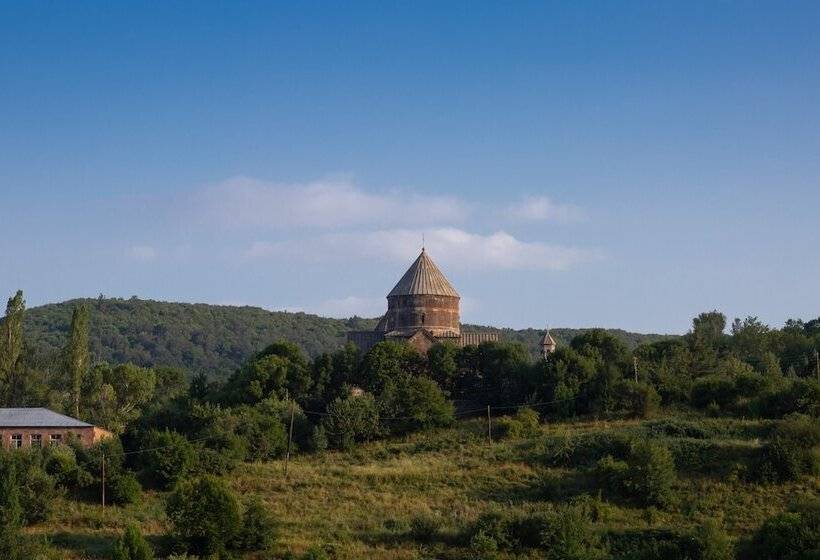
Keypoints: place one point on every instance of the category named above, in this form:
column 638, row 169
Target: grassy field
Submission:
column 412, row 498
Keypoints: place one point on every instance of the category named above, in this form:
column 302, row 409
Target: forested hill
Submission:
column 214, row 339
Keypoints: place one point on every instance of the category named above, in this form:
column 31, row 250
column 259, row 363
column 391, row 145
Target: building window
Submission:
column 36, row 441
column 16, row 441
column 55, row 438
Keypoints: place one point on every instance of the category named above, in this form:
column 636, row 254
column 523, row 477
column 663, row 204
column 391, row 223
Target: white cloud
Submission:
column 452, row 247
column 142, row 253
column 543, row 209
column 328, row 204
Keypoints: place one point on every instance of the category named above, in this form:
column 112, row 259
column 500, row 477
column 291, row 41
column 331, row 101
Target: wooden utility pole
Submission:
column 635, row 367
column 817, row 361
column 489, row 425
column 290, row 437
column 102, row 464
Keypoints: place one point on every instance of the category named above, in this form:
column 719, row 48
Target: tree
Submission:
column 205, row 516
column 352, row 418
column 651, row 474
column 257, row 531
column 415, row 403
column 115, row 396
column 170, row 457
column 387, row 360
column 132, row 546
column 792, row 535
column 11, row 339
column 77, row 354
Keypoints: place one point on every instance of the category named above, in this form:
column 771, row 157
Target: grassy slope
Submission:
column 212, row 338
column 364, row 502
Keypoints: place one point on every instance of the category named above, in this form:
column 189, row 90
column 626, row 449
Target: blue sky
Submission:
column 574, row 164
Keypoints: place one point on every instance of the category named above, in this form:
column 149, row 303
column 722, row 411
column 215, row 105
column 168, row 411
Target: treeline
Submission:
column 213, row 339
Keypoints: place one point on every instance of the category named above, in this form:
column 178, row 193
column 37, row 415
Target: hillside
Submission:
column 211, row 338
column 421, row 496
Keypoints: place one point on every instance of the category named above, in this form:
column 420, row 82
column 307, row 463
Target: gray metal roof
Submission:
column 423, row 278
column 37, row 418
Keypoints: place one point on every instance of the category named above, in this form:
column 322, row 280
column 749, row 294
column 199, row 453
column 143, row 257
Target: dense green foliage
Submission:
column 132, row 546
column 213, row 339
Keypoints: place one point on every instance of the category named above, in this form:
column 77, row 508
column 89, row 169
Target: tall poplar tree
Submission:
column 11, row 337
column 77, row 354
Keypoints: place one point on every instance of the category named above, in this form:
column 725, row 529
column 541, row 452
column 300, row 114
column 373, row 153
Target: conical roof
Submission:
column 423, row 278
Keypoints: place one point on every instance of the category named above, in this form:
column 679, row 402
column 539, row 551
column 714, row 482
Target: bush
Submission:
column 569, row 535
column 37, row 492
column 525, row 424
column 132, row 546
column 205, row 516
column 11, row 515
column 414, row 403
column 639, row 400
column 792, row 535
column 717, row 389
column 483, row 546
column 712, row 543
column 611, row 474
column 257, row 531
column 585, row 449
column 351, row 419
column 424, row 528
column 793, row 450
column 170, row 457
column 651, row 475
column 123, row 489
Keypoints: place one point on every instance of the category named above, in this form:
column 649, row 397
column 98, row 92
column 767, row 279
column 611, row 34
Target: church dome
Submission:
column 423, row 278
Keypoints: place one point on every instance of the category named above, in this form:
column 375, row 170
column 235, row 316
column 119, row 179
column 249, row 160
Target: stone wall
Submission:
column 437, row 314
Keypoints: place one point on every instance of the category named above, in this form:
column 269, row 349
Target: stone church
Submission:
column 423, row 309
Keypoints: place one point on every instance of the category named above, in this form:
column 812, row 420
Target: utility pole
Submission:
column 817, row 361
column 489, row 425
column 102, row 463
column 290, row 437
column 635, row 367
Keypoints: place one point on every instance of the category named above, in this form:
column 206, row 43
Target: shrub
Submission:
column 792, row 535
column 11, row 515
column 264, row 434
column 568, row 534
column 351, row 419
column 525, row 424
column 132, row 546
column 585, row 449
column 651, row 475
column 483, row 546
column 793, row 450
column 257, row 531
column 37, row 490
column 414, row 403
column 205, row 516
column 639, row 400
column 424, row 528
column 712, row 543
column 611, row 474
column 170, row 457
column 123, row 489
column 718, row 389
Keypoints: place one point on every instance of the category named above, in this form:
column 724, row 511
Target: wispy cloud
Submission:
column 244, row 202
column 453, row 247
column 142, row 253
column 544, row 209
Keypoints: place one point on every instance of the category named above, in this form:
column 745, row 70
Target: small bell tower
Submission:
column 548, row 345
